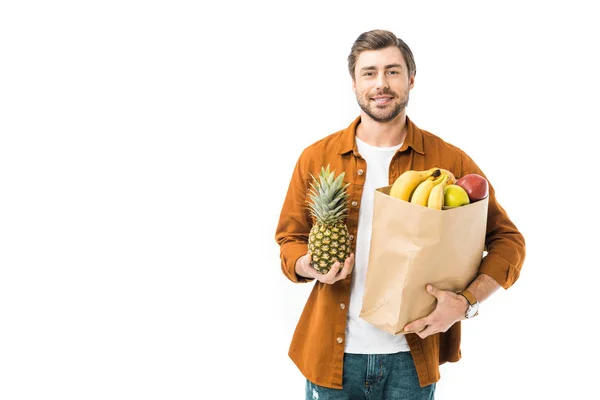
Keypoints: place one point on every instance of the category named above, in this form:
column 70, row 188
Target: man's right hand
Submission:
column 336, row 273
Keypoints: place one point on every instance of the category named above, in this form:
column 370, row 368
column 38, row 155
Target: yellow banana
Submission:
column 421, row 194
column 406, row 183
column 451, row 179
column 436, row 196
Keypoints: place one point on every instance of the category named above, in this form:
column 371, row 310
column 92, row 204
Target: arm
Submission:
column 294, row 226
column 451, row 307
column 504, row 243
column 292, row 236
column 482, row 287
column 500, row 267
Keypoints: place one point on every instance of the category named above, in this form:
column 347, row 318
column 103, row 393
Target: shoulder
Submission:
column 446, row 154
column 331, row 141
column 325, row 151
column 327, row 146
column 334, row 145
column 433, row 141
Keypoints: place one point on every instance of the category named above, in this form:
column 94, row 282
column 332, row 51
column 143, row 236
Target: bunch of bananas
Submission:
column 425, row 188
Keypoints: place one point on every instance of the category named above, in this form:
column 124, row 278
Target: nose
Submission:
column 382, row 82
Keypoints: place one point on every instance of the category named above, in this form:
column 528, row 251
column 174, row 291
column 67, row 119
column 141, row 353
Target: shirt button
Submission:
column 342, row 306
column 360, row 172
column 340, row 340
column 351, row 237
column 354, row 203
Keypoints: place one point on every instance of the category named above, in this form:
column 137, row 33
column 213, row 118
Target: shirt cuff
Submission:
column 499, row 269
column 290, row 253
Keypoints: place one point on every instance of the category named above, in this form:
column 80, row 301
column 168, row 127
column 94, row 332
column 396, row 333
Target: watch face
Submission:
column 472, row 310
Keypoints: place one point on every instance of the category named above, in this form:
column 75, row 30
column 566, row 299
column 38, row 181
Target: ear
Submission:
column 411, row 80
column 354, row 86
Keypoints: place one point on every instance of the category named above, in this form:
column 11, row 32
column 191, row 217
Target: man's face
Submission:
column 381, row 83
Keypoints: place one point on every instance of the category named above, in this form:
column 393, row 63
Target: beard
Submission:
column 387, row 113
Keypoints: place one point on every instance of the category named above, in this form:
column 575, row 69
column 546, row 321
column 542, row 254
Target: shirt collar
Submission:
column 414, row 138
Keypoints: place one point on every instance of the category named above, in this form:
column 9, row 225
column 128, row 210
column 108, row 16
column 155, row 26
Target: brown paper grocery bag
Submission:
column 412, row 246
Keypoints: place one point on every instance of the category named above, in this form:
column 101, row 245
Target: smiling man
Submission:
column 382, row 89
column 341, row 355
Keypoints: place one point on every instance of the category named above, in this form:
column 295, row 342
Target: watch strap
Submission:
column 469, row 296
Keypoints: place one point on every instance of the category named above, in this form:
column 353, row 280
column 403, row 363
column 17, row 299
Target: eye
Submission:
column 393, row 72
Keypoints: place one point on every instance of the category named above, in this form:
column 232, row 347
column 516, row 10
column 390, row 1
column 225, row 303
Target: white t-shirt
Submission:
column 361, row 336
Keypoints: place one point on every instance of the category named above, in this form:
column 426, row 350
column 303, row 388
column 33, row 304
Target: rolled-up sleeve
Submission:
column 294, row 226
column 504, row 243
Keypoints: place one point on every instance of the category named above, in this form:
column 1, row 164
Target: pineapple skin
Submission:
column 328, row 244
column 329, row 239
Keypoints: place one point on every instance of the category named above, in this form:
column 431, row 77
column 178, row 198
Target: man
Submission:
column 341, row 355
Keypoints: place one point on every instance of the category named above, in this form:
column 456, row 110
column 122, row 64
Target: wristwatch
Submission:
column 473, row 308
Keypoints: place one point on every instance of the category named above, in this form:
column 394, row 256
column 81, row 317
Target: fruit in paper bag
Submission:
column 421, row 194
column 455, row 196
column 407, row 182
column 475, row 185
column 328, row 240
column 436, row 196
column 451, row 179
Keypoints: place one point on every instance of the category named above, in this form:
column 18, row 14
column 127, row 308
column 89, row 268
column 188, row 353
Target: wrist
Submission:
column 472, row 304
column 465, row 303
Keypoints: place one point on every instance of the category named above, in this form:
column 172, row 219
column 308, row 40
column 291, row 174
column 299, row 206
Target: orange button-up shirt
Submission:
column 317, row 346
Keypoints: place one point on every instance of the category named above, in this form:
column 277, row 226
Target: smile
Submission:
column 382, row 100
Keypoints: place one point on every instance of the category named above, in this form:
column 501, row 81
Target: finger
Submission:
column 416, row 326
column 307, row 266
column 433, row 290
column 347, row 269
column 410, row 329
column 426, row 332
column 307, row 259
column 350, row 260
column 329, row 277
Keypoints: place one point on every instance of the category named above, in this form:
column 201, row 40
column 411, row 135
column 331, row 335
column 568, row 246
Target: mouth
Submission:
column 382, row 100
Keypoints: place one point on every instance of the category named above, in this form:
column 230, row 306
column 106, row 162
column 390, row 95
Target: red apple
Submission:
column 477, row 186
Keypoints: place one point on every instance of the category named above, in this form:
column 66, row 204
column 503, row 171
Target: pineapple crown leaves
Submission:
column 328, row 197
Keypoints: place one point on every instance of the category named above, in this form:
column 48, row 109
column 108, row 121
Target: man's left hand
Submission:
column 450, row 308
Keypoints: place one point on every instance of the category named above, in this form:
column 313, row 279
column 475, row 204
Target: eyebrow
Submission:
column 389, row 66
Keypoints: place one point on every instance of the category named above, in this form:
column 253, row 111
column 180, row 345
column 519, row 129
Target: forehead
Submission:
column 380, row 58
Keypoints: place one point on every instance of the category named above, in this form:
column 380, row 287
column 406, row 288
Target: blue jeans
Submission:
column 375, row 377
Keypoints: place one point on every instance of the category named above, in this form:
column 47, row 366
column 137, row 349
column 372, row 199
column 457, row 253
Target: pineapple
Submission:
column 328, row 240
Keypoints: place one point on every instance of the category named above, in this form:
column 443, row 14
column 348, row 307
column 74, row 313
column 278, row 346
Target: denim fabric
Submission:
column 375, row 377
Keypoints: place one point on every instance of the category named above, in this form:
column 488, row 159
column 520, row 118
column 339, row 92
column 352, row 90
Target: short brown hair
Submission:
column 376, row 40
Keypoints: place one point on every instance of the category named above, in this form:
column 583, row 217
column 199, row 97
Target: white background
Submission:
column 145, row 152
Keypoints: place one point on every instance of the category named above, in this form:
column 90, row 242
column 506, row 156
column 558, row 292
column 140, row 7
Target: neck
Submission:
column 382, row 134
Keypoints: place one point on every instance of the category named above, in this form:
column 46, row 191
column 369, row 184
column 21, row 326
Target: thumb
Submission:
column 433, row 290
column 307, row 259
